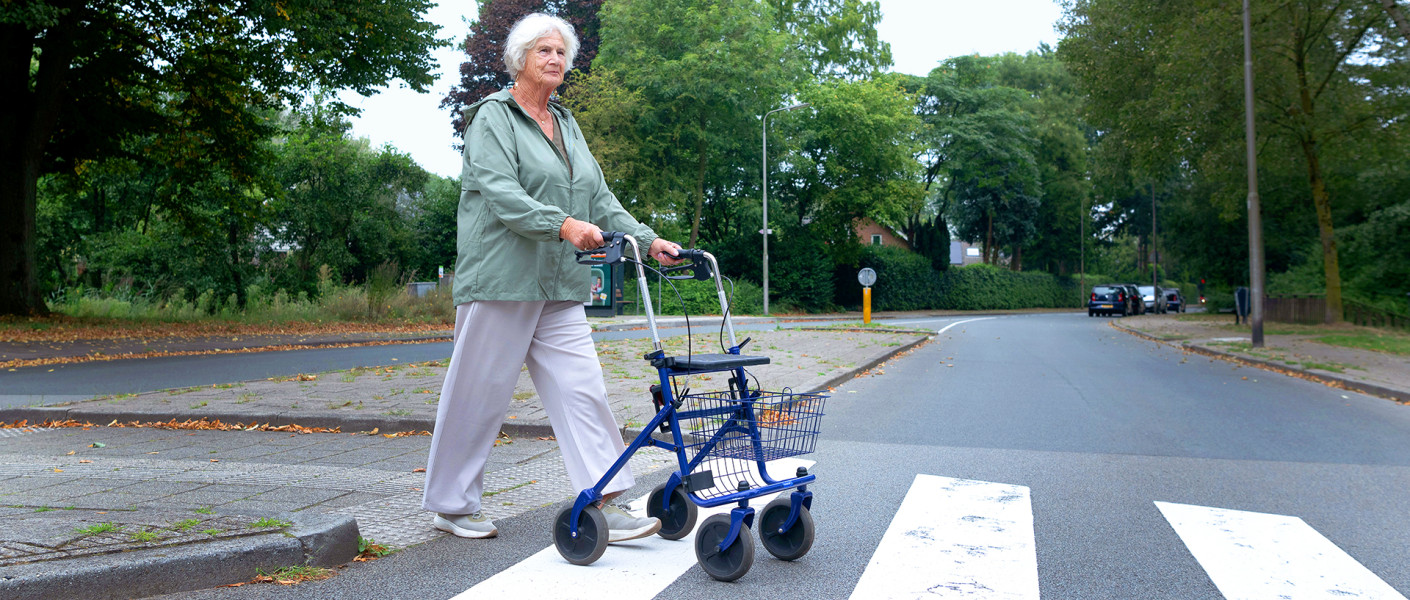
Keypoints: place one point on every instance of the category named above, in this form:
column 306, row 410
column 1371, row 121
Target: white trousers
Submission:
column 493, row 340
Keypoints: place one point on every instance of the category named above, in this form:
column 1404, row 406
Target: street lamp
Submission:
column 765, row 231
column 1255, row 218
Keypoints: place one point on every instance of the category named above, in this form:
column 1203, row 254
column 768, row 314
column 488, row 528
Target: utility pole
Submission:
column 1155, row 255
column 1082, row 240
column 1255, row 218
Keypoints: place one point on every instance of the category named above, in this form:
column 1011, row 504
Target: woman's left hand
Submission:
column 664, row 252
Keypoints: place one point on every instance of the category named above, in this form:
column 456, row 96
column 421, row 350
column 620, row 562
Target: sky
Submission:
column 921, row 33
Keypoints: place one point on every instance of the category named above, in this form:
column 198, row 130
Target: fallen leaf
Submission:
column 419, row 470
column 215, row 460
column 374, row 431
column 85, row 461
column 58, row 470
column 71, row 453
column 154, row 453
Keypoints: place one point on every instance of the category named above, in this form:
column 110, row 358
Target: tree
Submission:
column 838, row 37
column 483, row 71
column 854, row 159
column 82, row 77
column 1327, row 72
column 707, row 71
column 977, row 162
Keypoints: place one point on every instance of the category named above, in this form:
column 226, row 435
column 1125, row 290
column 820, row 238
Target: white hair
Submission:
column 527, row 32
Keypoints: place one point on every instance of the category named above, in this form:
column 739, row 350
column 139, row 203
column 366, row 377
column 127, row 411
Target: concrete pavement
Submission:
column 131, row 508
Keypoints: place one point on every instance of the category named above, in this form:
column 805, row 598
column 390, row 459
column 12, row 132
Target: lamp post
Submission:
column 1255, row 218
column 765, row 170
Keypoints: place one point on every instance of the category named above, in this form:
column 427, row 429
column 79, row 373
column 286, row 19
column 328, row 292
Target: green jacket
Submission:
column 515, row 193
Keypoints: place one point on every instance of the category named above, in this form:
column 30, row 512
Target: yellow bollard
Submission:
column 866, row 305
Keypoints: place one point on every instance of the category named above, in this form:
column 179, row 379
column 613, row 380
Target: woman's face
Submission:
column 545, row 62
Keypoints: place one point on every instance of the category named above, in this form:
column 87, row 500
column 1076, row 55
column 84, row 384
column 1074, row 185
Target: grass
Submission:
column 400, row 412
column 246, row 397
column 293, row 575
column 201, row 404
column 510, row 488
column 269, row 522
column 185, row 524
column 212, row 531
column 144, row 536
column 99, row 529
column 1377, row 342
column 206, row 510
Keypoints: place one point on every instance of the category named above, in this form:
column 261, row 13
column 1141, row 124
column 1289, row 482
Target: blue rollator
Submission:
column 721, row 440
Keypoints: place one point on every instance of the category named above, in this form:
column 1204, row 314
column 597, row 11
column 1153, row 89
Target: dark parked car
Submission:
column 1109, row 299
column 1133, row 296
column 1153, row 297
column 1174, row 300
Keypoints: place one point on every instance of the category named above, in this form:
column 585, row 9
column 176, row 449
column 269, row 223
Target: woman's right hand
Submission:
column 581, row 234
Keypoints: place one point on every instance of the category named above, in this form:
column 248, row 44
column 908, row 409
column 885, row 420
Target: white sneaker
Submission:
column 622, row 526
column 467, row 526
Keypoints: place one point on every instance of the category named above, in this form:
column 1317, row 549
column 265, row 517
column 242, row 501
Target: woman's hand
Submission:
column 664, row 252
column 581, row 234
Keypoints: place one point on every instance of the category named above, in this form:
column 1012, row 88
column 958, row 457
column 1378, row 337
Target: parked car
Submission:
column 1133, row 296
column 1153, row 297
column 1174, row 300
column 1109, row 299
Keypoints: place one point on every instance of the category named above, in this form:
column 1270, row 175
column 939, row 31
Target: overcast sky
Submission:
column 921, row 32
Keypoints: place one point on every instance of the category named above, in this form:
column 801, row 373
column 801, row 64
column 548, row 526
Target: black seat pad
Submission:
column 715, row 362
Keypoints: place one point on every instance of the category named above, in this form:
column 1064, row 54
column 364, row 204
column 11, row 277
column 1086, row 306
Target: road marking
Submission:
column 956, row 538
column 947, row 327
column 1259, row 555
column 639, row 569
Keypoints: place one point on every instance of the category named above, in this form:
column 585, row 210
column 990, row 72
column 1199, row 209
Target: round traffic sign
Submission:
column 866, row 276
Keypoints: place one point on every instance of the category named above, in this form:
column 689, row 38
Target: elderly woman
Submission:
column 530, row 193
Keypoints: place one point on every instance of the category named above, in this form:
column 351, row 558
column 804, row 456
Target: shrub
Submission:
column 699, row 296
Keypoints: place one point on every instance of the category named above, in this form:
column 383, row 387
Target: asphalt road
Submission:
column 1092, row 425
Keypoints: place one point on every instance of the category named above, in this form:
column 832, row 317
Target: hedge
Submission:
column 906, row 281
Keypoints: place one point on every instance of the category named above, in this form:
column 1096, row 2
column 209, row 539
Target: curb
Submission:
column 1342, row 383
column 314, row 539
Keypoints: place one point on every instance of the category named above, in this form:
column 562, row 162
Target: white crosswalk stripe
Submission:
column 960, row 538
column 638, row 569
column 956, row 538
column 1253, row 555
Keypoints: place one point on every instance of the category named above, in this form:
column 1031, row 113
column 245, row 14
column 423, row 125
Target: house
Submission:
column 871, row 233
column 965, row 253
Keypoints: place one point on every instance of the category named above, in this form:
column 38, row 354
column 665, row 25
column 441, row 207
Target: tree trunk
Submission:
column 989, row 253
column 1320, row 199
column 699, row 194
column 25, row 128
column 1397, row 16
column 1326, row 232
column 1017, row 264
column 19, row 285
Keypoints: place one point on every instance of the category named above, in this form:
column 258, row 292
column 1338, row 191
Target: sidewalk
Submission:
column 1288, row 349
column 129, row 511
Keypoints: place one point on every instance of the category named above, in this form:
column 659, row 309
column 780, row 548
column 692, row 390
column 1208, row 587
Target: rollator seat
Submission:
column 698, row 363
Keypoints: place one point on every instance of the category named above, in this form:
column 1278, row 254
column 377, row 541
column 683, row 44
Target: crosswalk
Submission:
column 960, row 538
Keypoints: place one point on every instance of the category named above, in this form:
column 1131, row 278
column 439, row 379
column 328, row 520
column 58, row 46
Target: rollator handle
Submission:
column 609, row 253
column 699, row 267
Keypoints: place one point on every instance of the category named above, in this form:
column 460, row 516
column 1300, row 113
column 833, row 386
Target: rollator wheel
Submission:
column 592, row 535
column 731, row 564
column 679, row 520
column 791, row 544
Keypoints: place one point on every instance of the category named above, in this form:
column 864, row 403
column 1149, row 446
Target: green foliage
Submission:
column 985, row 287
column 800, row 273
column 700, row 297
column 904, row 280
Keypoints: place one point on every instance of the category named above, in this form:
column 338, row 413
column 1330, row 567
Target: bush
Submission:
column 981, row 287
column 699, row 296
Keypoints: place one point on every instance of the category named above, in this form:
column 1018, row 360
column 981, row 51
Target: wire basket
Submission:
column 768, row 426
